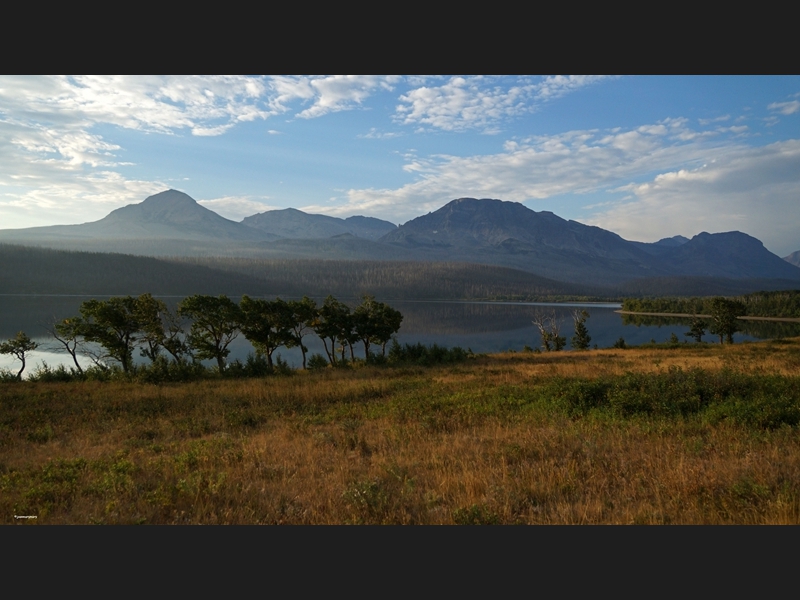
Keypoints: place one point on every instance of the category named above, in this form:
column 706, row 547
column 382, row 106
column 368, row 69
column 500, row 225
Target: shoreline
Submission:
column 687, row 315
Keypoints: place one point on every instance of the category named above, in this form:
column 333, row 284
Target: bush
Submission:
column 419, row 354
column 316, row 362
column 46, row 373
column 749, row 400
column 163, row 370
column 6, row 376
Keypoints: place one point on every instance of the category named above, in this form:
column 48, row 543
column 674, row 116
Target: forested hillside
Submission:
column 396, row 279
column 28, row 270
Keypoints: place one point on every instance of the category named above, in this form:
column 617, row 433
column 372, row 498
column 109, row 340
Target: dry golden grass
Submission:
column 468, row 443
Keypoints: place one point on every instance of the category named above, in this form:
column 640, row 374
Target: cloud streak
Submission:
column 464, row 103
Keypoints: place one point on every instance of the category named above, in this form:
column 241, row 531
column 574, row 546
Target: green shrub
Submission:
column 419, row 354
column 46, row 373
column 759, row 401
column 316, row 362
column 477, row 514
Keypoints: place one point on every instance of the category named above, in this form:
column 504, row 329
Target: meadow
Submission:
column 671, row 434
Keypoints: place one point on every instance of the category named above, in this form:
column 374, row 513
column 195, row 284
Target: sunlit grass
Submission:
column 504, row 439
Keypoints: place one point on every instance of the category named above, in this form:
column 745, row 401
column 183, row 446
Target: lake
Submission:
column 483, row 327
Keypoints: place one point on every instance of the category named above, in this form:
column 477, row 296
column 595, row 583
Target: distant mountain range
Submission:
column 295, row 224
column 487, row 231
column 793, row 258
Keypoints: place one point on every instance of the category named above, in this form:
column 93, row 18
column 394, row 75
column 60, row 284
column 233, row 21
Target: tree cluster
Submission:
column 549, row 327
column 120, row 325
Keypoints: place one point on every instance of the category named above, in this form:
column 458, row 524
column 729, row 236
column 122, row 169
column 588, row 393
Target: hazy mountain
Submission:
column 509, row 234
column 488, row 232
column 793, row 258
column 472, row 223
column 170, row 215
column 661, row 246
column 733, row 254
column 295, row 224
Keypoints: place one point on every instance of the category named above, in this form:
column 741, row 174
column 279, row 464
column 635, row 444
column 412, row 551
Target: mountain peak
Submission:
column 173, row 197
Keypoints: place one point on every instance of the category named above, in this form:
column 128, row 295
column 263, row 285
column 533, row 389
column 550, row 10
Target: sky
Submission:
column 646, row 157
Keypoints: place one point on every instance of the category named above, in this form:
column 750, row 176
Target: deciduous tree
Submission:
column 305, row 315
column 114, row 324
column 698, row 329
column 215, row 324
column 268, row 325
column 333, row 325
column 725, row 315
column 19, row 346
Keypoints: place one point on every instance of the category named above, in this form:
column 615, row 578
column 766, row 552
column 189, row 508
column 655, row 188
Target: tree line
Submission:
column 719, row 316
column 203, row 327
column 784, row 304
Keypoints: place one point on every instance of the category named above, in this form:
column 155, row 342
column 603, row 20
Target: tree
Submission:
column 724, row 317
column 114, row 324
column 19, row 346
column 540, row 320
column 268, row 325
column 304, row 315
column 389, row 320
column 149, row 311
column 69, row 333
column 581, row 339
column 334, row 324
column 698, row 329
column 374, row 323
column 215, row 324
column 550, row 330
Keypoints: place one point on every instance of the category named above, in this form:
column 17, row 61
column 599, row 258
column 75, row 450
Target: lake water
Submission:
column 483, row 327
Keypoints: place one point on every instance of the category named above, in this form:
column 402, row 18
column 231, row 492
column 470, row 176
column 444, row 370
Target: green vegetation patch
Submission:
column 762, row 401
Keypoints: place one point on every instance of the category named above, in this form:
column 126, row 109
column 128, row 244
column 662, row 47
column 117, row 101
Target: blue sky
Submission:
column 646, row 157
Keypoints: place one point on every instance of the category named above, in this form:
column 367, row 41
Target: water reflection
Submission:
column 481, row 326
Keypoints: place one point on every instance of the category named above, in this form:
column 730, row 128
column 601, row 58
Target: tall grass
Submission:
column 700, row 435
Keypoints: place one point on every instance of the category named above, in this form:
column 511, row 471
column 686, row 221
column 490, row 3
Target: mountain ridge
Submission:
column 482, row 231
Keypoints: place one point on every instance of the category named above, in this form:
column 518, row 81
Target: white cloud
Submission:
column 326, row 94
column 785, row 108
column 71, row 198
column 374, row 134
column 156, row 104
column 714, row 120
column 753, row 190
column 464, row 103
column 533, row 168
column 694, row 181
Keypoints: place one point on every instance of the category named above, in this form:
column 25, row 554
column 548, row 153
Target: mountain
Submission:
column 507, row 233
column 510, row 234
column 662, row 246
column 733, row 254
column 170, row 215
column 295, row 224
column 487, row 223
column 467, row 230
column 793, row 258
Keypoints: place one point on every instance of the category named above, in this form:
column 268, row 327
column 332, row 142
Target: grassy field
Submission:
column 689, row 434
